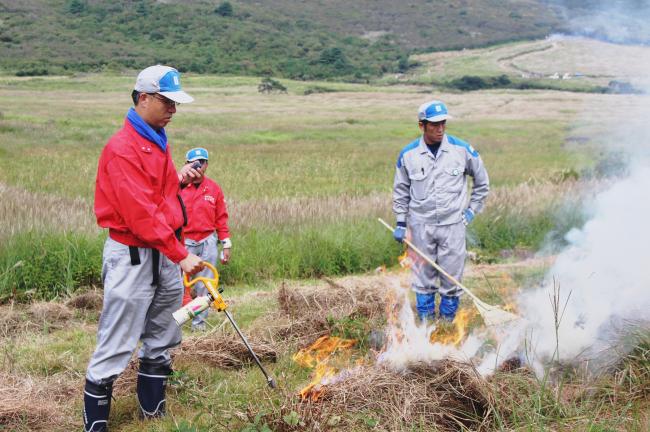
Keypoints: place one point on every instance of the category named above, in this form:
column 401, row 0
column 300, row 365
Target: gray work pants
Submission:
column 445, row 245
column 133, row 311
column 206, row 249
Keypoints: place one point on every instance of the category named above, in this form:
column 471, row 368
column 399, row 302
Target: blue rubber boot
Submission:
column 152, row 383
column 97, row 406
column 426, row 306
column 448, row 307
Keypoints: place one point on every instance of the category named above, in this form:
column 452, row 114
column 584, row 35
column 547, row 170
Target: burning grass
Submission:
column 445, row 395
column 320, row 356
column 442, row 396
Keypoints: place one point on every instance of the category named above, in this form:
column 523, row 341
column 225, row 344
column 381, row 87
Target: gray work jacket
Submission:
column 433, row 190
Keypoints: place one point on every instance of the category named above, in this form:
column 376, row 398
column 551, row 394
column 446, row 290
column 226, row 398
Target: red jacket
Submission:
column 137, row 194
column 206, row 211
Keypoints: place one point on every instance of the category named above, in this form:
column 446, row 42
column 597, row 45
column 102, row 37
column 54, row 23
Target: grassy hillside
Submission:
column 428, row 24
column 557, row 62
column 291, row 38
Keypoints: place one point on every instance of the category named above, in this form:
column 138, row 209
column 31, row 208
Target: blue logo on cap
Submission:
column 436, row 109
column 170, row 82
column 196, row 154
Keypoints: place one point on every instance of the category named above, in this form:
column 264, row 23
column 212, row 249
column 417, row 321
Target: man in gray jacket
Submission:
column 430, row 198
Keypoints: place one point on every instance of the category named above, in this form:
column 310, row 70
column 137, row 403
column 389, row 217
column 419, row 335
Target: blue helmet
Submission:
column 196, row 154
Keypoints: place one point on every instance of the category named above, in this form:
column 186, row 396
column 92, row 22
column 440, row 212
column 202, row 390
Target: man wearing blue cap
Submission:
column 430, row 202
column 137, row 198
column 207, row 225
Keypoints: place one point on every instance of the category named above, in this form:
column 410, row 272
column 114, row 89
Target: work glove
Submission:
column 399, row 233
column 468, row 216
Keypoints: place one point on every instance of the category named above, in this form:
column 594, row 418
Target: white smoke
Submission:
column 408, row 342
column 600, row 283
column 619, row 21
column 600, row 280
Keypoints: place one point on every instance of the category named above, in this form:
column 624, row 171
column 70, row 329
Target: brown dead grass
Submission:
column 444, row 396
column 305, row 310
column 22, row 210
column 224, row 350
column 16, row 319
column 36, row 404
column 307, row 210
column 89, row 300
column 216, row 349
column 13, row 320
column 53, row 314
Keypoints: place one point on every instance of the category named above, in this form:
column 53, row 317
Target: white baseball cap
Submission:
column 433, row 111
column 163, row 80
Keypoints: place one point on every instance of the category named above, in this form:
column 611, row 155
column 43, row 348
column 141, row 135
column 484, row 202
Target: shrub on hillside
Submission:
column 269, row 85
column 317, row 89
column 75, row 7
column 224, row 9
column 32, row 71
column 470, row 82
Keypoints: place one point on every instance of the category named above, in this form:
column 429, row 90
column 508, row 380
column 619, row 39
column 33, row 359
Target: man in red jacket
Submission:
column 207, row 224
column 137, row 197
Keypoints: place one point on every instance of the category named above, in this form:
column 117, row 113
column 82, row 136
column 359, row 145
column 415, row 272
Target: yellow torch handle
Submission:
column 211, row 285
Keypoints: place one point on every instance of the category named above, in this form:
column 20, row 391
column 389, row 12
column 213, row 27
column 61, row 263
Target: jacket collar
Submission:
column 157, row 137
column 444, row 146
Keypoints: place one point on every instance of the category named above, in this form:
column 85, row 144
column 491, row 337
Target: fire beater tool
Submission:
column 492, row 315
column 214, row 299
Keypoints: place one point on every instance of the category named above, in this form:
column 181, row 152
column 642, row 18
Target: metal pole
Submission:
column 269, row 380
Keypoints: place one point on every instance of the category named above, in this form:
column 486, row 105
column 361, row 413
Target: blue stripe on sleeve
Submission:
column 406, row 149
column 460, row 143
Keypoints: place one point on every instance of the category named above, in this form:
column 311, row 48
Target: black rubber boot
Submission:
column 97, row 406
column 152, row 382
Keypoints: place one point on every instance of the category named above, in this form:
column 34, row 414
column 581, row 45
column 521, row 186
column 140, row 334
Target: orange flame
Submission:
column 318, row 356
column 405, row 260
column 455, row 332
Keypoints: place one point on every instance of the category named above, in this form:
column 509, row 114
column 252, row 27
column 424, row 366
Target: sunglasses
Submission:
column 170, row 103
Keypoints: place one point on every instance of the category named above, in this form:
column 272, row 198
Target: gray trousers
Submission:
column 445, row 245
column 133, row 311
column 207, row 249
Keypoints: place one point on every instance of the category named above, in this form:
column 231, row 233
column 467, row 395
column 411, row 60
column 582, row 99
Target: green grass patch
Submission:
column 48, row 265
column 37, row 265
